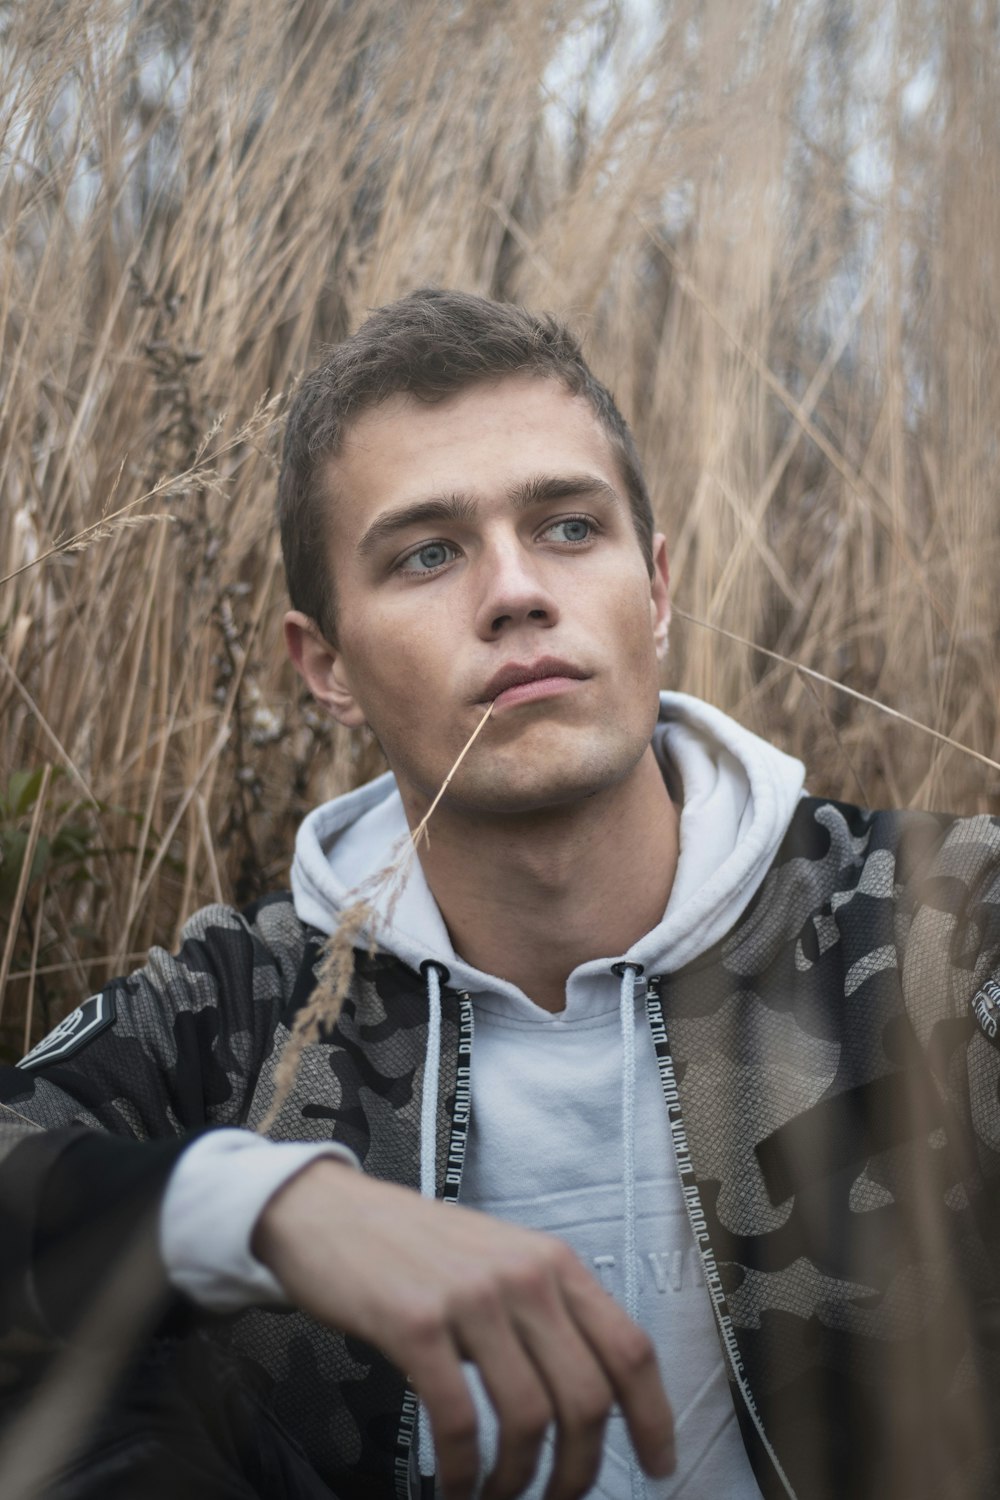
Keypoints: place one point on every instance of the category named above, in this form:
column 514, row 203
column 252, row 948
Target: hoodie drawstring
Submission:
column 434, row 976
column 629, row 973
column 432, row 1072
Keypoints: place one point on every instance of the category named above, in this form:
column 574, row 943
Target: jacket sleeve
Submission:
column 951, row 981
column 93, row 1120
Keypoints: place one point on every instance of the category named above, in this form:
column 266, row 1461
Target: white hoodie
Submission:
column 553, row 1095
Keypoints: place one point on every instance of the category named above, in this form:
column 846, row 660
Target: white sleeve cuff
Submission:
column 215, row 1195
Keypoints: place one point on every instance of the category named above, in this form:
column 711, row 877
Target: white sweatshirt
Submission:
column 546, row 1136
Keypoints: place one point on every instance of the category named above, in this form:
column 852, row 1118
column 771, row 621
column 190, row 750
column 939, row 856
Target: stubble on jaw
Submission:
column 484, row 801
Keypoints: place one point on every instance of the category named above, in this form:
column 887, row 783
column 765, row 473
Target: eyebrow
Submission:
column 458, row 507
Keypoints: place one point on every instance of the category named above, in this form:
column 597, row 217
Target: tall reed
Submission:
column 776, row 228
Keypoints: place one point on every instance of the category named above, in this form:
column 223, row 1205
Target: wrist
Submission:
column 281, row 1217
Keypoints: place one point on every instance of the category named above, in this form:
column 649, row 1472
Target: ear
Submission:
column 322, row 668
column 659, row 596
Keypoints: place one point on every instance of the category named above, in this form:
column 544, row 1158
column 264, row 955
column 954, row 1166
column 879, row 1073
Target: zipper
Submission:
column 458, row 1137
column 698, row 1221
column 448, row 1191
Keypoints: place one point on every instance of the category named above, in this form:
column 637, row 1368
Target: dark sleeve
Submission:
column 93, row 1120
column 69, row 1202
column 951, row 982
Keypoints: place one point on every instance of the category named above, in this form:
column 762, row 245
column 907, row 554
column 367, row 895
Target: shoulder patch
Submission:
column 985, row 1005
column 74, row 1031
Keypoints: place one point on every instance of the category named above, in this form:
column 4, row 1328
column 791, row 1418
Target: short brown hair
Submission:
column 430, row 344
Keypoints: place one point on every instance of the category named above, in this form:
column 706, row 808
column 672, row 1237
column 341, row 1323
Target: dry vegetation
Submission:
column 776, row 225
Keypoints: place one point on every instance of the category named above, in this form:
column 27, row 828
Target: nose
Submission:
column 514, row 592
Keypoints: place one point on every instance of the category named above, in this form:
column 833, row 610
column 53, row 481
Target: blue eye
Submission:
column 574, row 529
column 427, row 558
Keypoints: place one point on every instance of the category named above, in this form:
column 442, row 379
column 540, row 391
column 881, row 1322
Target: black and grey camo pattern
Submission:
column 835, row 1112
column 195, row 1043
column 840, row 1111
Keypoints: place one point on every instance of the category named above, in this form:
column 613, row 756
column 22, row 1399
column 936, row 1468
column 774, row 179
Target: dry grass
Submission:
column 778, row 229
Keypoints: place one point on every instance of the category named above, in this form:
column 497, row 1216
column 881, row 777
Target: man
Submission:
column 709, row 1065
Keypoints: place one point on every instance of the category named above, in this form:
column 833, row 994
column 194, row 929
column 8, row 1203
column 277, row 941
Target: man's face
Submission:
column 483, row 548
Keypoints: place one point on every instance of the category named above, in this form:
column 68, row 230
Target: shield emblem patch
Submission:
column 73, row 1032
column 986, row 1009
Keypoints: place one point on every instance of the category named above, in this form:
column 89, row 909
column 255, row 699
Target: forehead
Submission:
column 480, row 442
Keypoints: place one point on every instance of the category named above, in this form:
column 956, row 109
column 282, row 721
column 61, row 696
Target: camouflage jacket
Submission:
column 831, row 1072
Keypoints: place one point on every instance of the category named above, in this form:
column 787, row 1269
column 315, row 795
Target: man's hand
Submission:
column 433, row 1284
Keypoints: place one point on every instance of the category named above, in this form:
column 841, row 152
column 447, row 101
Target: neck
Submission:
column 547, row 891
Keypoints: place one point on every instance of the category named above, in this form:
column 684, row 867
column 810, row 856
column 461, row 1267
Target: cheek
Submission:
column 633, row 623
column 638, row 665
column 397, row 671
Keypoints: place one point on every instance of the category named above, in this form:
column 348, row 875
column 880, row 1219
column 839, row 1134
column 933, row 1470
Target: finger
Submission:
column 517, row 1395
column 583, row 1399
column 628, row 1358
column 436, row 1372
column 578, row 1389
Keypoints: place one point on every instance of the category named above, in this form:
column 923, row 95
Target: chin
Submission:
column 515, row 788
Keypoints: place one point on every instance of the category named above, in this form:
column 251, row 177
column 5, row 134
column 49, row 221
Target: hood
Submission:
column 738, row 795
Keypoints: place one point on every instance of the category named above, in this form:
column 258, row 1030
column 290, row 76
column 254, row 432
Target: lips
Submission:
column 516, row 674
